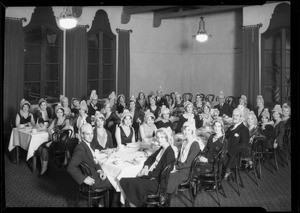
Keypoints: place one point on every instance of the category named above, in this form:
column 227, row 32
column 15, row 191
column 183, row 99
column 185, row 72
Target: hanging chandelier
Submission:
column 202, row 36
column 67, row 19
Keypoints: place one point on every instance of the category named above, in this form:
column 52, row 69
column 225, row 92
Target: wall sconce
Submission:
column 67, row 19
column 202, row 36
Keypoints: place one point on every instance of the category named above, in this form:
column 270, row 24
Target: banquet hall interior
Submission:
column 236, row 50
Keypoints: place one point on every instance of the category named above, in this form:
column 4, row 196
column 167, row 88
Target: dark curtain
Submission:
column 13, row 70
column 76, row 63
column 124, row 63
column 250, row 71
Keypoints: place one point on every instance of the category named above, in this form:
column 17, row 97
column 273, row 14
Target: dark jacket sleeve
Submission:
column 280, row 134
column 73, row 166
column 194, row 150
column 179, row 124
column 109, row 143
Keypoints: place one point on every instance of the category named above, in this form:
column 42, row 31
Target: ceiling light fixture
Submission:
column 202, row 36
column 67, row 18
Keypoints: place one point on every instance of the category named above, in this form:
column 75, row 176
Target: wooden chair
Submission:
column 187, row 97
column 190, row 183
column 215, row 177
column 229, row 100
column 88, row 192
column 202, row 96
column 159, row 199
column 60, row 147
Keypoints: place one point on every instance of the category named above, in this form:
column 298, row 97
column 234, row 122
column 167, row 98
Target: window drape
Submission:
column 13, row 70
column 250, row 71
column 124, row 63
column 76, row 63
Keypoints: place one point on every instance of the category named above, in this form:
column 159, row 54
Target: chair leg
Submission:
column 217, row 191
column 275, row 158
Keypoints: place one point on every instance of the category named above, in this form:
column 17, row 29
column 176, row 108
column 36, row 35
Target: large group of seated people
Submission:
column 118, row 122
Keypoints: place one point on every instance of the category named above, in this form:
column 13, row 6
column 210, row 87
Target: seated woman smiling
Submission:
column 147, row 129
column 102, row 137
column 146, row 182
column 24, row 117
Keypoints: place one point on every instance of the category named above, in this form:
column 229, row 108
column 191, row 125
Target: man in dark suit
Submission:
column 94, row 105
column 237, row 136
column 84, row 153
column 223, row 107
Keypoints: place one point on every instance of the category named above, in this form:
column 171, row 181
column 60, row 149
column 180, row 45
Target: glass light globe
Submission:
column 202, row 37
column 68, row 22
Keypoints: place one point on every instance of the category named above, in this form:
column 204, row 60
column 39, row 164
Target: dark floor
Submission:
column 25, row 189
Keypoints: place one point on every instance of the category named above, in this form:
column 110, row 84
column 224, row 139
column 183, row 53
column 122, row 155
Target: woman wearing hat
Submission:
column 206, row 117
column 102, row 137
column 189, row 149
column 121, row 105
column 64, row 101
column 24, row 117
column 187, row 116
column 147, row 129
column 278, row 126
column 141, row 102
column 267, row 129
column 165, row 119
column 43, row 115
column 146, row 182
column 93, row 106
column 286, row 115
column 260, row 107
column 58, row 124
column 124, row 132
column 82, row 118
column 216, row 142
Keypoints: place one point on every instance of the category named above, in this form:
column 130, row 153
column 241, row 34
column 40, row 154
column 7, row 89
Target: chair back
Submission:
column 229, row 100
column 187, row 97
column 193, row 169
column 210, row 97
column 60, row 139
column 202, row 96
column 163, row 178
column 236, row 101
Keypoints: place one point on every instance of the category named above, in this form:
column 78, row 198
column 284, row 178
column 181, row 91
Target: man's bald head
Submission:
column 86, row 132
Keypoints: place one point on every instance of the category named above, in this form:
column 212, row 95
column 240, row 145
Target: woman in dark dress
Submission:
column 82, row 118
column 24, row 117
column 187, row 116
column 216, row 142
column 102, row 137
column 121, row 105
column 286, row 118
column 178, row 105
column 278, row 126
column 267, row 129
column 146, row 182
column 189, row 150
column 43, row 114
column 125, row 132
column 165, row 119
column 58, row 124
column 141, row 102
column 153, row 107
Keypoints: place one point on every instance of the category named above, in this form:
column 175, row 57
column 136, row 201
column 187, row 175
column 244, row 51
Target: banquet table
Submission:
column 119, row 163
column 28, row 139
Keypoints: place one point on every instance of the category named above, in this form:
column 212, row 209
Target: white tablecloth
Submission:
column 27, row 140
column 114, row 172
